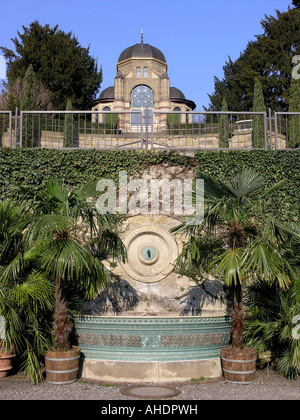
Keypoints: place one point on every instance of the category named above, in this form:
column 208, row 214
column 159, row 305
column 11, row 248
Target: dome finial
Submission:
column 142, row 36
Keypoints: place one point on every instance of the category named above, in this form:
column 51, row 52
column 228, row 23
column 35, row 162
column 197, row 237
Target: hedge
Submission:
column 32, row 167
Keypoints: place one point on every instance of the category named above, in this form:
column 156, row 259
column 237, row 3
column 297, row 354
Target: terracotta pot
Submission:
column 239, row 365
column 6, row 363
column 62, row 366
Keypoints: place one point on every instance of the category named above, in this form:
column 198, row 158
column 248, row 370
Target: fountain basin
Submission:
column 151, row 348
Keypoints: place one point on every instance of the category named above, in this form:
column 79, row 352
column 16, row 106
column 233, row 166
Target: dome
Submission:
column 176, row 93
column 142, row 51
column 177, row 96
column 108, row 93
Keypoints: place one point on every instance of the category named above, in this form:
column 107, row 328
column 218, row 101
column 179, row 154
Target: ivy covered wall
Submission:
column 31, row 167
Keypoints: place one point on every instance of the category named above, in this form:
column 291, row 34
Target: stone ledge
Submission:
column 145, row 372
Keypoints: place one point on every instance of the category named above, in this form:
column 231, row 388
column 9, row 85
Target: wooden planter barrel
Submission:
column 239, row 366
column 62, row 366
column 6, row 363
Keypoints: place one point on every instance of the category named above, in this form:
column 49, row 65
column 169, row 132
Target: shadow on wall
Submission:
column 118, row 297
column 207, row 293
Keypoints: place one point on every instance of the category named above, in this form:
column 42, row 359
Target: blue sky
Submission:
column 196, row 36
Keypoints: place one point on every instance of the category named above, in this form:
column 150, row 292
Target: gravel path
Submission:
column 267, row 386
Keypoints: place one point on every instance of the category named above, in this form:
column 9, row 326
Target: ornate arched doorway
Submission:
column 141, row 100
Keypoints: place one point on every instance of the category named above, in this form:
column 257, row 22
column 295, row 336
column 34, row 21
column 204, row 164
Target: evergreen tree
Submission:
column 269, row 57
column 296, row 3
column 28, row 104
column 70, row 127
column 258, row 134
column 64, row 67
column 294, row 120
column 224, row 126
column 230, row 87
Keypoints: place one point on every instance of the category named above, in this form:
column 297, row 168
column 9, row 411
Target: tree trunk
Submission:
column 62, row 325
column 237, row 318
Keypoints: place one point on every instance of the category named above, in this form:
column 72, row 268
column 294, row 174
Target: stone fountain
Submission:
column 152, row 324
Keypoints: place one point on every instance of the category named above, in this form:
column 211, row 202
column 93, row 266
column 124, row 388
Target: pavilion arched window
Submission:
column 106, row 108
column 177, row 118
column 95, row 117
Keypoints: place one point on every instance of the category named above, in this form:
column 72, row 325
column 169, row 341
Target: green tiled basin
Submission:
column 152, row 339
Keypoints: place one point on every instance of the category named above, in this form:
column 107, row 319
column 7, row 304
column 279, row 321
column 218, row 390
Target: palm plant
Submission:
column 55, row 236
column 26, row 294
column 271, row 311
column 268, row 328
column 251, row 244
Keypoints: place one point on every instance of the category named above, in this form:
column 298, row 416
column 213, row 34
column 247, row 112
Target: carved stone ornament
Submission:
column 151, row 252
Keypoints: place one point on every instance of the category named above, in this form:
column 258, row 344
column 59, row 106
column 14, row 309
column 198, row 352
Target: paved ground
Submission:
column 267, row 386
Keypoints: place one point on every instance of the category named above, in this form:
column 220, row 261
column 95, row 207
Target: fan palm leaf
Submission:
column 60, row 212
column 253, row 246
column 229, row 266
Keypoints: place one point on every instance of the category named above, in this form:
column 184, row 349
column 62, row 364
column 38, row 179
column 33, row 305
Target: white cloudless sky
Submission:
column 196, row 36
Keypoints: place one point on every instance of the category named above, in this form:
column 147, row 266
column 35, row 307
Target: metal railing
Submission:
column 6, row 127
column 150, row 129
column 80, row 129
column 287, row 130
column 209, row 130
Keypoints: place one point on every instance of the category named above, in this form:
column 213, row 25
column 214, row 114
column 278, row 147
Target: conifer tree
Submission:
column 294, row 120
column 296, row 3
column 28, row 104
column 60, row 63
column 268, row 57
column 70, row 128
column 224, row 126
column 258, row 134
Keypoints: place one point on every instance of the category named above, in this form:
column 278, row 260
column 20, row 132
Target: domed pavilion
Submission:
column 142, row 83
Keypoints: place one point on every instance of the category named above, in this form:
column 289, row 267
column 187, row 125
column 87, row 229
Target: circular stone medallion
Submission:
column 151, row 252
